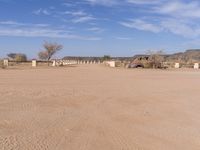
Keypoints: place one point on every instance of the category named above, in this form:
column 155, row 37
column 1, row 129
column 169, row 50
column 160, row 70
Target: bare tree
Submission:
column 50, row 50
column 43, row 55
column 156, row 58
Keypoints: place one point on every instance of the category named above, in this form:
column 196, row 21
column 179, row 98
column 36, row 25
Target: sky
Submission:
column 99, row 27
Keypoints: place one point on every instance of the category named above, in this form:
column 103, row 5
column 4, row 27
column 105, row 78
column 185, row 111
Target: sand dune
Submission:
column 98, row 108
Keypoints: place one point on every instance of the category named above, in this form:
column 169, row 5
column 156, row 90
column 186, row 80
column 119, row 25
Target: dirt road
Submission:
column 99, row 108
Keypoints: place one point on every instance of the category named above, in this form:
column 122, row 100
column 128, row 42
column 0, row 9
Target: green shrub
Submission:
column 18, row 57
column 21, row 57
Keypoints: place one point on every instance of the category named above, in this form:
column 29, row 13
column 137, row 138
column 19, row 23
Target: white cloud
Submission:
column 144, row 1
column 75, row 13
column 18, row 24
column 174, row 16
column 181, row 28
column 41, row 12
column 17, row 29
column 96, row 29
column 82, row 19
column 123, row 38
column 78, row 16
column 179, row 9
column 103, row 2
column 68, row 4
column 142, row 25
column 11, row 23
column 174, row 26
column 122, row 2
column 37, row 32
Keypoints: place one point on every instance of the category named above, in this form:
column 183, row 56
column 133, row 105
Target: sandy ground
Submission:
column 99, row 108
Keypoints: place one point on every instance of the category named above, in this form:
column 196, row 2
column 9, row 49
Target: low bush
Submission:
column 1, row 64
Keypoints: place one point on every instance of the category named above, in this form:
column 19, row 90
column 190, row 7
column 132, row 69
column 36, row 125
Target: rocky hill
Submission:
column 189, row 56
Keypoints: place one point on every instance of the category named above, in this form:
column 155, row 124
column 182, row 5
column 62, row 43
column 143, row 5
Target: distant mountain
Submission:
column 80, row 58
column 91, row 58
column 191, row 55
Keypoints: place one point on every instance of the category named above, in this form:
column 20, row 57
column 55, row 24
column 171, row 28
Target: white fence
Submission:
column 73, row 62
column 58, row 62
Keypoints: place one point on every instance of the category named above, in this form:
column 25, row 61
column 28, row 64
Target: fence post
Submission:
column 34, row 63
column 177, row 65
column 6, row 62
column 54, row 63
column 196, row 66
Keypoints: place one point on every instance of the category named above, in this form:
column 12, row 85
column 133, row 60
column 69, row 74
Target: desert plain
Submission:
column 93, row 107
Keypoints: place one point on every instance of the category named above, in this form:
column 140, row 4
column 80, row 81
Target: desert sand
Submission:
column 92, row 107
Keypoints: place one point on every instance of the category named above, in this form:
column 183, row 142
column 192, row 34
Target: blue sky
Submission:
column 98, row 27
